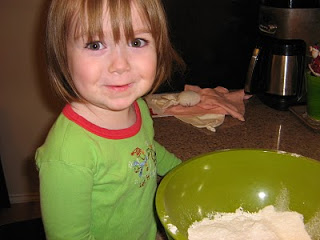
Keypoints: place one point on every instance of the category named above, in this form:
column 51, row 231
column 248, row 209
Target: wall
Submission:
column 27, row 106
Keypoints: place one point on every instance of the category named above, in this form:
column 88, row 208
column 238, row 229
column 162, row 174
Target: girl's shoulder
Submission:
column 142, row 105
column 67, row 142
column 144, row 108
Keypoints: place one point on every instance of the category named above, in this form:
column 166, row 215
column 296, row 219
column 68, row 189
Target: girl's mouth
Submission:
column 119, row 88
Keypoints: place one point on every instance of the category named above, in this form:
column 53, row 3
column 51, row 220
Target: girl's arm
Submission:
column 66, row 201
column 165, row 160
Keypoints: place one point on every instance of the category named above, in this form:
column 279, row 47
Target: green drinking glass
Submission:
column 313, row 96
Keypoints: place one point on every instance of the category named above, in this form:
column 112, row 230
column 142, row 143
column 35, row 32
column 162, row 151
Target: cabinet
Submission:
column 4, row 198
column 215, row 38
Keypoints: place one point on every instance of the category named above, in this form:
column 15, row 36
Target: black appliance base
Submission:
column 279, row 102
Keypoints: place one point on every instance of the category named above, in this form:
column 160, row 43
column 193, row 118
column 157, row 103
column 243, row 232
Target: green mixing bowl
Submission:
column 223, row 181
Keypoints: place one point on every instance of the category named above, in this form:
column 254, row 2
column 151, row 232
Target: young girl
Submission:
column 99, row 163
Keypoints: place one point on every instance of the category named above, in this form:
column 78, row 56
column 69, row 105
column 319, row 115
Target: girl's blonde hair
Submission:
column 87, row 17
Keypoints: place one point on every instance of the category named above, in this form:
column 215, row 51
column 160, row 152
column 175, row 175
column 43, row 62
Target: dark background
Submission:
column 215, row 38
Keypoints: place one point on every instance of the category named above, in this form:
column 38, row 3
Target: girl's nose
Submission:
column 119, row 62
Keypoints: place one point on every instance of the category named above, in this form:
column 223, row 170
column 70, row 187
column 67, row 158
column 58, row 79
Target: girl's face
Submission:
column 112, row 75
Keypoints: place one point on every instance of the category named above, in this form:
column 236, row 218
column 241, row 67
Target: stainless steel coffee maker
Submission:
column 276, row 69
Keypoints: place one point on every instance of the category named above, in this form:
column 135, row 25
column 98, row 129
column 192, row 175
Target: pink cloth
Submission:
column 218, row 100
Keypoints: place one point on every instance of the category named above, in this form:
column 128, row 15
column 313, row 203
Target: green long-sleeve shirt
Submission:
column 100, row 184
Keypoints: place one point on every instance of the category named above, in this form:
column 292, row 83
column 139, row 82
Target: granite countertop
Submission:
column 263, row 128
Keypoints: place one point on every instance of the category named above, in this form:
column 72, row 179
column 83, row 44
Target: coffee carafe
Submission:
column 276, row 69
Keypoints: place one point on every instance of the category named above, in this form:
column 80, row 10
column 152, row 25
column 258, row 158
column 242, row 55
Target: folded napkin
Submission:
column 209, row 121
column 218, row 100
column 209, row 112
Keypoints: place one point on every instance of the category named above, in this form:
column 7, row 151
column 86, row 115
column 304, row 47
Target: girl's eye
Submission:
column 95, row 46
column 138, row 42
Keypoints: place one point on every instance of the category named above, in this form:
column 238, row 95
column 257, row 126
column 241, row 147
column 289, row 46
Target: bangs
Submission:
column 89, row 21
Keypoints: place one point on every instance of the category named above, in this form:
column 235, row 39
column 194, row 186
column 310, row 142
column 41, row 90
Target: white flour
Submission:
column 172, row 228
column 267, row 224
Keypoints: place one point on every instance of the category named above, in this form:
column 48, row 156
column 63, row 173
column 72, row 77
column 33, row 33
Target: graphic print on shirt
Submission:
column 144, row 164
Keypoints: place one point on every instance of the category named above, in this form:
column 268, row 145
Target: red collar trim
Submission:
column 103, row 132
